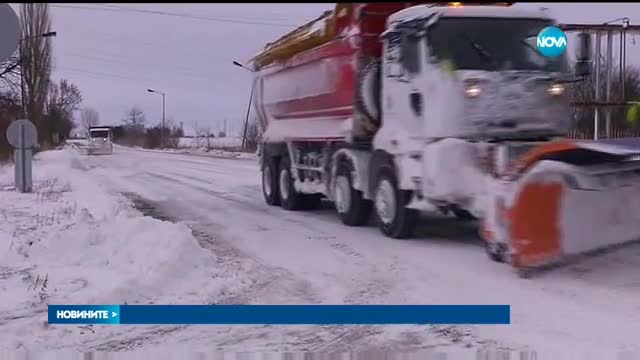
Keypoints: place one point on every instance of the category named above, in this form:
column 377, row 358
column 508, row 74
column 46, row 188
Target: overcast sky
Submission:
column 115, row 52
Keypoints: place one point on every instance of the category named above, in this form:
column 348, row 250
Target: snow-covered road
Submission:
column 270, row 256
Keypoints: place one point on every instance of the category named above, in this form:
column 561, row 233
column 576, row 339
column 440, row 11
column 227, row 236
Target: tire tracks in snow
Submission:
column 264, row 278
column 377, row 287
column 267, row 280
column 246, row 203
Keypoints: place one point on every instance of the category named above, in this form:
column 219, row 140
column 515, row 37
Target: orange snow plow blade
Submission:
column 566, row 198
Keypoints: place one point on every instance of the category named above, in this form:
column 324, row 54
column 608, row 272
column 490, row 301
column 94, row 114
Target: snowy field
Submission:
column 151, row 227
column 221, row 143
column 218, row 148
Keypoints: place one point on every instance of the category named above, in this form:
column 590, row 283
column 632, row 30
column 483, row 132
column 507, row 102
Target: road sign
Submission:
column 22, row 134
column 9, row 31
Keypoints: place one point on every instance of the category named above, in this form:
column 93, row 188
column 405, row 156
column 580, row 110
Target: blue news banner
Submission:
column 279, row 314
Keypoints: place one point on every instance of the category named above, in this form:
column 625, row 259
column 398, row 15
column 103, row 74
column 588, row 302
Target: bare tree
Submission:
column 9, row 110
column 203, row 137
column 36, row 63
column 64, row 96
column 10, row 73
column 70, row 96
column 134, row 117
column 62, row 100
column 134, row 133
column 89, row 117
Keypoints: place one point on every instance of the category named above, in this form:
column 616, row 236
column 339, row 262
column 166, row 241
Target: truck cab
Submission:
column 461, row 71
column 457, row 83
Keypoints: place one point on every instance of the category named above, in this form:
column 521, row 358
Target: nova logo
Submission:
column 552, row 41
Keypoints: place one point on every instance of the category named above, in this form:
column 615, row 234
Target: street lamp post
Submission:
column 23, row 65
column 246, row 120
column 163, row 114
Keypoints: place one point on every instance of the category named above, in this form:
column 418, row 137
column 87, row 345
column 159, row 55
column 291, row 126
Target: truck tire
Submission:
column 368, row 91
column 394, row 219
column 496, row 252
column 290, row 199
column 353, row 209
column 269, row 181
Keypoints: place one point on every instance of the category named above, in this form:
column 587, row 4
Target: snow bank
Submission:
column 218, row 142
column 214, row 153
column 72, row 241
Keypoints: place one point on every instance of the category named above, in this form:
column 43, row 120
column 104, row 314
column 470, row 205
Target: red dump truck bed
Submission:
column 306, row 81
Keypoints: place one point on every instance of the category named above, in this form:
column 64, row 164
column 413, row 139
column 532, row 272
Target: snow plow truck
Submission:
column 99, row 140
column 393, row 109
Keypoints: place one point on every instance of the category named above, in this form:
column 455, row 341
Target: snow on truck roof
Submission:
column 424, row 11
column 100, row 129
column 309, row 35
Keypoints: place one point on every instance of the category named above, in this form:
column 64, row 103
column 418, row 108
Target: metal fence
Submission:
column 615, row 134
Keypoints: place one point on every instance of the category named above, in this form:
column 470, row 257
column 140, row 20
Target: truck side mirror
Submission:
column 583, row 55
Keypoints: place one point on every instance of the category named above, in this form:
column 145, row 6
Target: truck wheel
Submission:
column 496, row 252
column 393, row 217
column 352, row 207
column 368, row 91
column 269, row 182
column 290, row 199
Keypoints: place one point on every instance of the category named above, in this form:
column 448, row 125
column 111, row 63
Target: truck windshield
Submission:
column 99, row 134
column 491, row 44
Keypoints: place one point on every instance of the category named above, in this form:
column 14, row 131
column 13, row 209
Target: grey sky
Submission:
column 114, row 55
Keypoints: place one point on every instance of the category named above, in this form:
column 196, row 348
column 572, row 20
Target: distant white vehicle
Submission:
column 99, row 141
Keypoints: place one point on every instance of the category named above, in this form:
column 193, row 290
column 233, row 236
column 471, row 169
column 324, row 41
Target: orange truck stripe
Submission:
column 535, row 154
column 535, row 223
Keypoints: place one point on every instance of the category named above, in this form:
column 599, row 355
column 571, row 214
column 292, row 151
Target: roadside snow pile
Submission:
column 73, row 242
column 215, row 153
column 222, row 153
column 228, row 142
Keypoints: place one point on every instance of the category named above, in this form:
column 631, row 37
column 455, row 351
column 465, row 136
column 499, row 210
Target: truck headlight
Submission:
column 472, row 90
column 556, row 89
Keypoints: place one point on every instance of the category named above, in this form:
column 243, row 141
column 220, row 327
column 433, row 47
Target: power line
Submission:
column 276, row 18
column 139, row 44
column 184, row 71
column 245, row 14
column 111, row 76
column 158, row 12
column 107, row 75
column 115, row 8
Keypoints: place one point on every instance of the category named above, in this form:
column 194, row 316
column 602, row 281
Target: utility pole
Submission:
column 163, row 112
column 246, row 121
column 163, row 128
